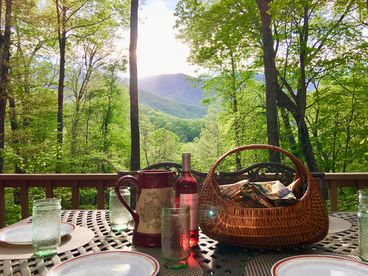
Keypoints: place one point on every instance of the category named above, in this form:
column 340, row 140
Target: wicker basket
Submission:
column 302, row 223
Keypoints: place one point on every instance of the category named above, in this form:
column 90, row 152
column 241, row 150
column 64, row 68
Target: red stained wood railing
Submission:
column 357, row 180
column 101, row 182
column 50, row 182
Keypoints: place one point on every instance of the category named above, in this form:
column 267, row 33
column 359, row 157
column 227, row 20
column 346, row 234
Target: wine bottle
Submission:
column 186, row 193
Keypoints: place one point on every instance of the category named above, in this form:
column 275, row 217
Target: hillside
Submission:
column 176, row 87
column 170, row 107
column 186, row 129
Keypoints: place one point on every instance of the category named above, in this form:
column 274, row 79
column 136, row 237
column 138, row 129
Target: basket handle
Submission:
column 300, row 169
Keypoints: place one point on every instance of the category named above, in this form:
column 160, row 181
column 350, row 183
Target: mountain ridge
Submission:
column 170, row 107
column 175, row 87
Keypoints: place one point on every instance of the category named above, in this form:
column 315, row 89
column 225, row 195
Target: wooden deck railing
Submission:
column 51, row 181
column 338, row 180
column 102, row 181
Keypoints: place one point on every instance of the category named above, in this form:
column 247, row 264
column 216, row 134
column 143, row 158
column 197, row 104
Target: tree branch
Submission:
column 87, row 25
column 323, row 40
column 76, row 10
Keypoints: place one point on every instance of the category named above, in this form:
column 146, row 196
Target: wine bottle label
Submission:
column 192, row 201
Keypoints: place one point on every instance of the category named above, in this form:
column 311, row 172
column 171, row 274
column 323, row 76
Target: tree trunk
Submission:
column 289, row 131
column 14, row 128
column 235, row 112
column 62, row 46
column 74, row 131
column 349, row 121
column 106, row 120
column 133, row 87
column 306, row 144
column 301, row 100
column 272, row 85
column 4, row 71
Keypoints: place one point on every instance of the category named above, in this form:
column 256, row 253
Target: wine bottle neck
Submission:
column 186, row 162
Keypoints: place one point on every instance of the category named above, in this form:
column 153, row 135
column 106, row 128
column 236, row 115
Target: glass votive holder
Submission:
column 119, row 215
column 175, row 237
column 46, row 220
column 363, row 224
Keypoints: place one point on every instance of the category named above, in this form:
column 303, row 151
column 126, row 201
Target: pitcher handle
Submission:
column 131, row 179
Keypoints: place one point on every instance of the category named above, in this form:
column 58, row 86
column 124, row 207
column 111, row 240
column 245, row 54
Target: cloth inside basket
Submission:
column 264, row 194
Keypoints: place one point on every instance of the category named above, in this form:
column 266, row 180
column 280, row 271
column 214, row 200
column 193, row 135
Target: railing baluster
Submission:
column 24, row 201
column 75, row 195
column 100, row 195
column 49, row 189
column 333, row 196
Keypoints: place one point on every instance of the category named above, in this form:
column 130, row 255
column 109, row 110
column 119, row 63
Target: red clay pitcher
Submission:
column 154, row 190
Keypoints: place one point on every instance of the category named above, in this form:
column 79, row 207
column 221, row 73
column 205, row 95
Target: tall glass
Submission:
column 119, row 215
column 46, row 217
column 175, row 236
column 363, row 224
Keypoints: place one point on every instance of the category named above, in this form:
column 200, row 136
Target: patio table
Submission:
column 209, row 258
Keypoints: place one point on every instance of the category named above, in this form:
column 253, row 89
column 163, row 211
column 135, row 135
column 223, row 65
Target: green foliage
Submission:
column 347, row 199
column 224, row 38
column 12, row 211
column 186, row 129
column 338, row 119
column 160, row 145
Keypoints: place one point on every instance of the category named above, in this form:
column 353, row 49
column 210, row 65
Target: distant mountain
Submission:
column 173, row 108
column 176, row 87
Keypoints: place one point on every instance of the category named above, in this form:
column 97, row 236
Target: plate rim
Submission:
column 71, row 230
column 20, row 225
column 288, row 259
column 156, row 264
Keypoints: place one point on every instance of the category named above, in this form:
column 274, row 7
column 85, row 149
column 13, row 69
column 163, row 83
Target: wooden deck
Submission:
column 101, row 182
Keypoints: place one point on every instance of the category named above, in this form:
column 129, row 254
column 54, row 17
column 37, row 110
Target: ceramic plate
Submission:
column 319, row 265
column 22, row 234
column 108, row 263
column 336, row 225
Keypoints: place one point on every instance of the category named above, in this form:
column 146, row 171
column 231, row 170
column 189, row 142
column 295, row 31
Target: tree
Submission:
column 163, row 146
column 146, row 128
column 81, row 18
column 338, row 119
column 4, row 72
column 83, row 73
column 133, row 87
column 270, row 72
column 209, row 146
column 32, row 35
column 207, row 28
column 311, row 39
column 301, row 41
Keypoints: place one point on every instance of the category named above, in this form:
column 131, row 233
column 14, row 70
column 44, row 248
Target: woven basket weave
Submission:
column 302, row 223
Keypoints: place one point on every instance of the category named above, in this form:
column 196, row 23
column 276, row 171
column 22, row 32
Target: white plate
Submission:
column 319, row 265
column 336, row 225
column 108, row 263
column 22, row 233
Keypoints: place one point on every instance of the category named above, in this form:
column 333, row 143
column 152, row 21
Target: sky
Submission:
column 158, row 51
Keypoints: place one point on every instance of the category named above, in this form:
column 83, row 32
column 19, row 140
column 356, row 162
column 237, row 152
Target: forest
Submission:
column 64, row 107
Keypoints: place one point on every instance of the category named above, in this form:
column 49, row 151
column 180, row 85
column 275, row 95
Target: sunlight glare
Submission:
column 158, row 51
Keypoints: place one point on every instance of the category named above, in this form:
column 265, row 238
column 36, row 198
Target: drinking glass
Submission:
column 119, row 215
column 363, row 224
column 175, row 236
column 46, row 217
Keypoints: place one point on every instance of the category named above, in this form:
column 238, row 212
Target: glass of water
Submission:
column 175, row 236
column 363, row 224
column 119, row 215
column 46, row 217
